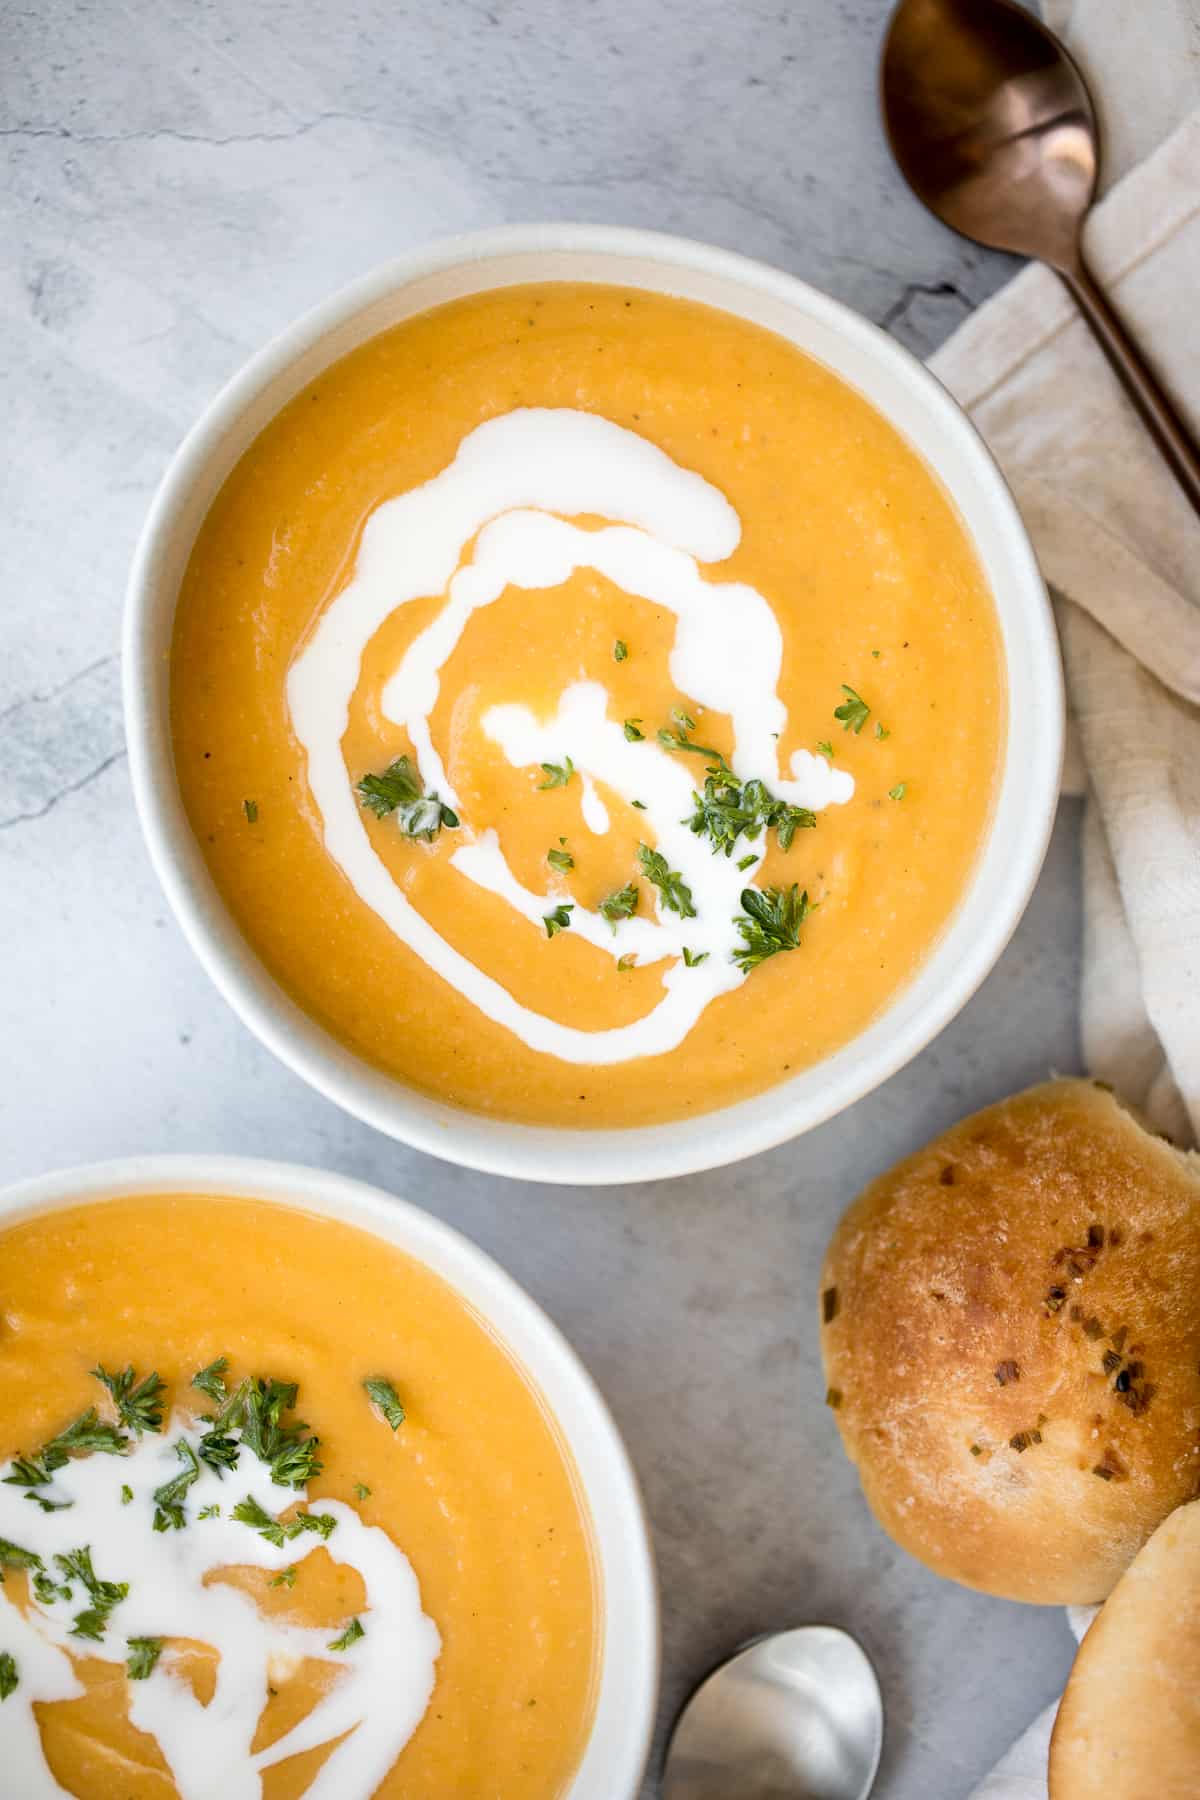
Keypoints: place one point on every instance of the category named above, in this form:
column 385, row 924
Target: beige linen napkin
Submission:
column 1120, row 549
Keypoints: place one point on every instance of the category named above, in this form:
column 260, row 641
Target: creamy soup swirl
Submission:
column 510, row 496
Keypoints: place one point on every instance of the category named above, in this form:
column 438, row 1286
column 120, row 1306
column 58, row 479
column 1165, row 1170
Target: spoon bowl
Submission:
column 993, row 128
column 991, row 124
column 797, row 1715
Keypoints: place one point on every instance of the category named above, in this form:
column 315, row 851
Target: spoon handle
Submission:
column 1157, row 412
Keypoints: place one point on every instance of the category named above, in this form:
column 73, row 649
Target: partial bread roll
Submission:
column 1011, row 1336
column 1129, row 1724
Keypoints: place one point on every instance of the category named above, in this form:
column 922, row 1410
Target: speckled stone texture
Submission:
column 180, row 180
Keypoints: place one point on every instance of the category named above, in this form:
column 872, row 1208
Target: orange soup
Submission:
column 588, row 706
column 277, row 1506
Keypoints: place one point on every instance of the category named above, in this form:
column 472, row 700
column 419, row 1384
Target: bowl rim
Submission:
column 618, row 1745
column 565, row 1154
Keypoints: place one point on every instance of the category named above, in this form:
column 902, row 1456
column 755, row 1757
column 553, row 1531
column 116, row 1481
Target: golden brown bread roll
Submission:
column 1011, row 1337
column 1129, row 1724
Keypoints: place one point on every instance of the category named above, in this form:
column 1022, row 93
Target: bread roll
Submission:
column 1011, row 1336
column 1129, row 1724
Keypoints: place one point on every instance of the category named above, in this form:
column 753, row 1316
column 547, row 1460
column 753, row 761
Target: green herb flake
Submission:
column 250, row 808
column 562, row 860
column 399, row 791
column 825, row 747
column 622, row 904
column 769, row 922
column 138, row 1403
column 557, row 774
column 899, row 791
column 679, row 740
column 8, row 1674
column 212, row 1511
column 692, row 959
column 640, row 804
column 47, row 1590
column 144, row 1652
column 676, row 895
column 625, row 963
column 12, row 1556
column 361, row 1491
column 382, row 1394
column 633, row 731
column 853, row 712
column 620, row 651
column 210, row 1379
column 351, row 1635
column 285, row 1578
column 168, row 1499
column 126, row 1493
column 747, row 862
column 728, row 810
column 92, row 1623
column 881, row 731
column 558, row 920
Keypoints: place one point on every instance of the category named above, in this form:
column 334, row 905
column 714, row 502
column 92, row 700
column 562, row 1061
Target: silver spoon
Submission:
column 993, row 128
column 794, row 1716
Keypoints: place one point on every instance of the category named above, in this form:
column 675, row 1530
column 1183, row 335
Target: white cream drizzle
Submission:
column 385, row 1679
column 508, row 481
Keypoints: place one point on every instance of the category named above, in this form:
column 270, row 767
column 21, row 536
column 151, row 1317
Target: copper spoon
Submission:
column 993, row 128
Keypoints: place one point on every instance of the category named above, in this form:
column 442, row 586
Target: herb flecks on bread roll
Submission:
column 1129, row 1723
column 1011, row 1336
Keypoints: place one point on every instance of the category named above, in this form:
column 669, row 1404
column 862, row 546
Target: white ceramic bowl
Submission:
column 905, row 393
column 615, row 1758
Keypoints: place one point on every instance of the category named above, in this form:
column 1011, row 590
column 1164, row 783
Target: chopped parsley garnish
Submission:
column 853, row 712
column 209, row 1512
column 558, row 920
column 729, row 809
column 126, row 1493
column 47, row 1590
column 681, row 740
column 76, row 1565
column 169, row 1498
column 881, row 731
column 210, row 1379
column 825, row 747
column 640, row 804
column 285, row 1578
column 625, row 963
column 562, row 860
column 382, row 1394
column 620, row 651
column 557, row 774
column 400, row 791
column 144, row 1652
column 691, row 960
column 256, row 1407
column 633, row 731
column 676, row 895
column 12, row 1556
column 351, row 1635
column 220, row 1450
column 361, row 1491
column 899, row 791
column 250, row 808
column 8, row 1674
column 621, row 905
column 770, row 921
column 138, row 1403
column 86, row 1433
column 278, row 1531
column 747, row 862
